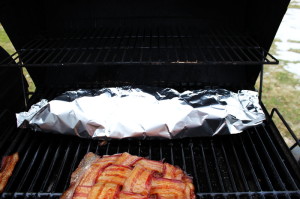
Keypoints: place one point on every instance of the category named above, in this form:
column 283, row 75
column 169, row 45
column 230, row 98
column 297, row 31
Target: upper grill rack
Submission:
column 141, row 45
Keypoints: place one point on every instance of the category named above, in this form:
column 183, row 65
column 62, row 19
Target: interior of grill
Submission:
column 67, row 45
column 253, row 164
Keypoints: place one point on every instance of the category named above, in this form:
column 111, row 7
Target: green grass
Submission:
column 294, row 4
column 294, row 50
column 7, row 45
column 293, row 41
column 5, row 42
column 277, row 40
column 281, row 89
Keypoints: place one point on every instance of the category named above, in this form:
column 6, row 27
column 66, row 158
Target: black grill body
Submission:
column 180, row 44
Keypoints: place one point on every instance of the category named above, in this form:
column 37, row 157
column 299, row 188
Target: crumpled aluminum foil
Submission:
column 145, row 112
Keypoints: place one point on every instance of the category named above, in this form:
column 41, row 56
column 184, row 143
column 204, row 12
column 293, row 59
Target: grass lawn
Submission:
column 6, row 44
column 281, row 89
column 294, row 4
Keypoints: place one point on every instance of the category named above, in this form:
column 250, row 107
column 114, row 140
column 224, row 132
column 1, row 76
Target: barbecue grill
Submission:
column 185, row 45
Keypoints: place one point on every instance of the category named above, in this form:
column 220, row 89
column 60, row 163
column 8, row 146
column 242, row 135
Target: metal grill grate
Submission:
column 247, row 165
column 140, row 45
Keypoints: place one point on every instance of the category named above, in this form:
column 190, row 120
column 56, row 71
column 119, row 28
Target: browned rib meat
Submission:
column 77, row 175
column 7, row 166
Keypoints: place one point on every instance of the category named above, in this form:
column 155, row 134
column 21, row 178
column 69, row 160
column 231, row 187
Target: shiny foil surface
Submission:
column 148, row 112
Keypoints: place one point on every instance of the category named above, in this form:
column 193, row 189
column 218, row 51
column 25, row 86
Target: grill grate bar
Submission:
column 104, row 43
column 52, row 50
column 250, row 42
column 83, row 52
column 4, row 139
column 139, row 150
column 51, row 167
column 38, row 172
column 139, row 45
column 223, row 46
column 231, row 47
column 205, row 168
column 240, row 169
column 150, row 151
column 160, row 151
column 89, row 55
column 229, row 169
column 217, row 48
column 31, row 54
column 169, row 45
column 204, row 194
column 268, row 158
column 261, row 193
column 203, row 56
column 217, row 166
column 261, row 165
column 141, row 49
column 119, row 46
column 89, row 146
column 183, row 157
column 97, row 147
column 250, row 165
column 189, row 46
column 21, row 163
column 118, row 149
column 107, row 148
column 239, row 46
column 129, row 147
column 63, row 163
column 281, row 164
column 29, row 169
column 126, row 45
column 172, row 154
column 109, row 49
column 10, row 60
column 65, row 43
column 31, row 44
column 191, row 145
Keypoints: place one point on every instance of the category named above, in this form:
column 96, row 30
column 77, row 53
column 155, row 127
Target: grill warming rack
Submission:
column 247, row 165
column 143, row 46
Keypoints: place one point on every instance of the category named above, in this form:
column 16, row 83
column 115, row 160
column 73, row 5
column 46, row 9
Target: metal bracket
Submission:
column 23, row 87
column 275, row 110
column 261, row 79
column 20, row 65
column 261, row 83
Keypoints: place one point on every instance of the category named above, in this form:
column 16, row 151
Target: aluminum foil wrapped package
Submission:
column 145, row 112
